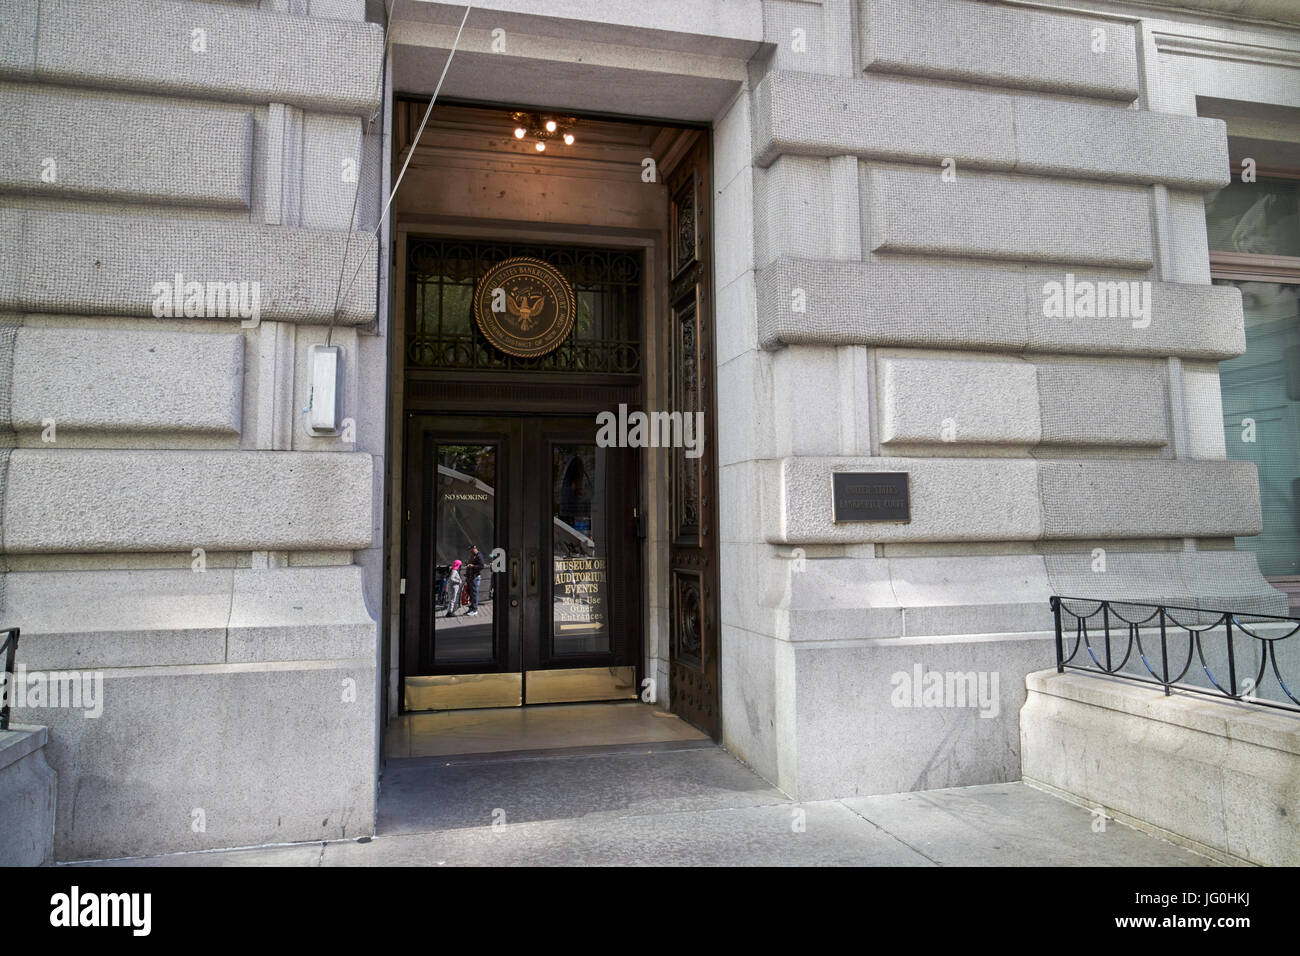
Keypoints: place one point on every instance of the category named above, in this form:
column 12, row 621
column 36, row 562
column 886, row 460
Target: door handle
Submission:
column 532, row 573
column 514, row 573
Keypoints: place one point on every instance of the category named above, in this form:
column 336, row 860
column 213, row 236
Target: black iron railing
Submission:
column 10, row 649
column 1157, row 633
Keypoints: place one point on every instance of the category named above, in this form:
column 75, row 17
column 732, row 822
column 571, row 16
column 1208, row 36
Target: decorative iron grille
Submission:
column 8, row 650
column 1239, row 650
column 442, row 334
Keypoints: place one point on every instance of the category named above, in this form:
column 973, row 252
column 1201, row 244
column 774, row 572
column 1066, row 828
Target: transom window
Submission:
column 442, row 334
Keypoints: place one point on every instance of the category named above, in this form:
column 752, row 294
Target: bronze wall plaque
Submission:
column 524, row 307
column 870, row 496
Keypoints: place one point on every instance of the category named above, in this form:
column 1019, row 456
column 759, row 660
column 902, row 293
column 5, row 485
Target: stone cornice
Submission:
column 1225, row 50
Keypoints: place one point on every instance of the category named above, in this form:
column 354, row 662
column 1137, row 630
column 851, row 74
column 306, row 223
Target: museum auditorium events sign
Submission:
column 870, row 496
column 579, row 593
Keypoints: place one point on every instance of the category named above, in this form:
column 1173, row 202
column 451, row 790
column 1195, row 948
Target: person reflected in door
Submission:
column 575, row 503
column 454, row 582
column 473, row 568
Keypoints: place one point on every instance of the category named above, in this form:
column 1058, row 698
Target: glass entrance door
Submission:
column 522, row 564
column 581, row 636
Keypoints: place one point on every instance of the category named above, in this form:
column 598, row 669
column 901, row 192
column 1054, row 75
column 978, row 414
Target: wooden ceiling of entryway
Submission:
column 489, row 132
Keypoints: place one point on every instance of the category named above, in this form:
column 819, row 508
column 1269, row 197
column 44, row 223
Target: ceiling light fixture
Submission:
column 544, row 128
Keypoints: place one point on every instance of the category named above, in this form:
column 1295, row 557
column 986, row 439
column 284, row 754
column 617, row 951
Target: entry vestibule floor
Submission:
column 692, row 807
column 539, row 727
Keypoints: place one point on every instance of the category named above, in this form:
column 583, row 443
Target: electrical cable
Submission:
column 396, row 185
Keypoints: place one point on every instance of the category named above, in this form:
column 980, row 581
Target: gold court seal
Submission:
column 524, row 307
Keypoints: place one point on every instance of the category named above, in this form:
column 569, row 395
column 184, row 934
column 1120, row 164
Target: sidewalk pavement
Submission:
column 688, row 804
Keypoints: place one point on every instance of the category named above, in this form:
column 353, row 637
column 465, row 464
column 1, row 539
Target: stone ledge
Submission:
column 981, row 216
column 177, row 617
column 17, row 39
column 195, row 157
column 160, row 382
column 933, row 401
column 1225, row 718
column 832, row 598
column 89, row 500
column 1001, row 46
column 799, row 507
column 1149, row 499
column 1279, row 11
column 1016, row 499
column 809, row 114
column 270, row 753
column 876, row 302
column 27, row 794
column 20, row 740
column 853, row 737
column 1208, row 579
column 1102, row 403
column 1213, row 774
column 78, row 264
column 726, row 28
column 250, row 57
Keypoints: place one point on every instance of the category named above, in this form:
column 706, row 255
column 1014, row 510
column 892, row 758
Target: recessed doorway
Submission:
column 594, row 577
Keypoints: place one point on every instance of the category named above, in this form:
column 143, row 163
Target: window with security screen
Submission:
column 442, row 334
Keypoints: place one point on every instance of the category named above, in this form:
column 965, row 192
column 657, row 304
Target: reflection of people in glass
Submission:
column 1267, row 301
column 473, row 568
column 454, row 581
column 1241, row 222
column 575, row 500
column 442, row 572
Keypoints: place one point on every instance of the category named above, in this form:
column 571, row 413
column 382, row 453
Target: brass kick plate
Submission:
column 463, row 691
column 581, row 683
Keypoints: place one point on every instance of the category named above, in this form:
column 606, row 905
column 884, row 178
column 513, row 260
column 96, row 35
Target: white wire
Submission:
column 409, row 154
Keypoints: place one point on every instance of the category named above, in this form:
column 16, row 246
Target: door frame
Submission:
column 417, row 548
column 694, row 579
column 622, row 598
column 654, row 598
column 521, row 519
column 439, row 399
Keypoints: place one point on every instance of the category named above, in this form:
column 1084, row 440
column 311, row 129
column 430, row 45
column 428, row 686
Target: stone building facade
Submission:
column 894, row 192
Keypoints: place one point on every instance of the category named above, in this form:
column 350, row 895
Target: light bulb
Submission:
column 541, row 147
column 568, row 139
column 550, row 126
column 519, row 132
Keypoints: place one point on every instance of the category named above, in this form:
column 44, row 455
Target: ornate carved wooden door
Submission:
column 693, row 526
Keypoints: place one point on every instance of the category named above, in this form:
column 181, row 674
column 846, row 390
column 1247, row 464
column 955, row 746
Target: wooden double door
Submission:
column 554, row 614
